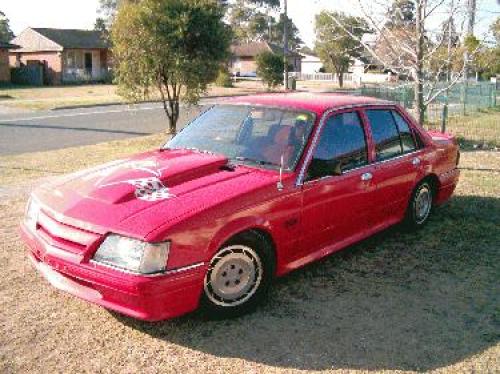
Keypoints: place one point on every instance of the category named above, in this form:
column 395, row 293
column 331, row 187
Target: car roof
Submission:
column 314, row 102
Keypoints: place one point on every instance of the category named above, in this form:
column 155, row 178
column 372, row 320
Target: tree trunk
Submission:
column 173, row 114
column 172, row 126
column 170, row 103
column 340, row 76
column 419, row 65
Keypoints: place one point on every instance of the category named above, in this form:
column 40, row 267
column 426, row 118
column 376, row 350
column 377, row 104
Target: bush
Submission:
column 224, row 79
column 270, row 68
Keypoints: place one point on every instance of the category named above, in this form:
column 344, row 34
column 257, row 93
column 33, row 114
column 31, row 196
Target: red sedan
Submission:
column 253, row 188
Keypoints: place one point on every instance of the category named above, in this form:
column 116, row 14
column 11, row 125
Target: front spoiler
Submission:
column 145, row 298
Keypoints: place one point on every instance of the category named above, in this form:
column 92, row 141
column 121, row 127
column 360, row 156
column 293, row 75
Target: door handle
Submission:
column 366, row 177
column 415, row 161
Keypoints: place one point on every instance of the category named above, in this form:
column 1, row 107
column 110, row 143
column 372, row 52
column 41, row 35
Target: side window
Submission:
column 341, row 147
column 407, row 140
column 385, row 134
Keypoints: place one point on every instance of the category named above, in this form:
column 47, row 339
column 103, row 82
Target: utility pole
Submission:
column 471, row 11
column 285, row 45
column 419, row 68
column 448, row 68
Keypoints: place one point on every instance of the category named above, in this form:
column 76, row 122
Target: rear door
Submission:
column 398, row 163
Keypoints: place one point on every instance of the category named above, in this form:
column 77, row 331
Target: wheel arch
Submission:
column 434, row 182
column 239, row 228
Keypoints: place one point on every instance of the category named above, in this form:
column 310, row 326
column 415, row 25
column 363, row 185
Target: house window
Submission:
column 75, row 59
column 71, row 59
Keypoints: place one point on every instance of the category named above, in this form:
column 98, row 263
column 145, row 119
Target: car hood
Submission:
column 173, row 182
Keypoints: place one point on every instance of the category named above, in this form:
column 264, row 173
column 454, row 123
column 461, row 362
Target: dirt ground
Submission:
column 423, row 301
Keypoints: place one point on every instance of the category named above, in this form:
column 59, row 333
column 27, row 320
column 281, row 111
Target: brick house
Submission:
column 67, row 56
column 243, row 59
column 4, row 61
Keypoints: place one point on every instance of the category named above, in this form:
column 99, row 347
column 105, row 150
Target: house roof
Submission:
column 253, row 49
column 310, row 58
column 73, row 38
column 307, row 51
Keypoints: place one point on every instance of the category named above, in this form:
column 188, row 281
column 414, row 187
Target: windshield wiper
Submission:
column 258, row 162
column 194, row 149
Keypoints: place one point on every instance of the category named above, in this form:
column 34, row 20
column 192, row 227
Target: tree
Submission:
column 270, row 68
column 401, row 14
column 174, row 47
column 495, row 29
column 337, row 48
column 276, row 36
column 101, row 26
column 255, row 20
column 239, row 18
column 416, row 44
column 488, row 59
column 108, row 8
column 6, row 34
column 449, row 34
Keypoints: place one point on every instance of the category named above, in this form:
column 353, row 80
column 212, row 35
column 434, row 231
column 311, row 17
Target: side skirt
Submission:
column 328, row 250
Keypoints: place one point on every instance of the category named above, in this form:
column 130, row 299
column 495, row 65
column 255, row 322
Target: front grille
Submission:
column 63, row 236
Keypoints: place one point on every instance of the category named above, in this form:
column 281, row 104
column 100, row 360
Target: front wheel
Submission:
column 238, row 277
column 420, row 206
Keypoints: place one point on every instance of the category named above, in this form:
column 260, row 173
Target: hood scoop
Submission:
column 150, row 177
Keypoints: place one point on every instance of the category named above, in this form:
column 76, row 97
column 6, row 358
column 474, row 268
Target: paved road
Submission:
column 41, row 131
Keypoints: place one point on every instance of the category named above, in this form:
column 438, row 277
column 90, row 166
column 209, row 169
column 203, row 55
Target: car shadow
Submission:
column 397, row 301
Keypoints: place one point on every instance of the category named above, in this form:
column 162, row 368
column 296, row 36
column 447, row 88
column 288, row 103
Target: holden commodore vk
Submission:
column 251, row 189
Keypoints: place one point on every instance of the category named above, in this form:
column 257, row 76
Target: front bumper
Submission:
column 143, row 297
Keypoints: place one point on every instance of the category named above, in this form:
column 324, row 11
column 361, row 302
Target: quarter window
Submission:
column 341, row 147
column 385, row 134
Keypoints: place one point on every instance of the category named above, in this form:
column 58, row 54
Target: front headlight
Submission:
column 31, row 217
column 133, row 255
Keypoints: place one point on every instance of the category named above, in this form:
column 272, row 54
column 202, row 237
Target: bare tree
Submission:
column 411, row 48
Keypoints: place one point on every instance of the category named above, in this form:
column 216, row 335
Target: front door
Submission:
column 338, row 189
column 88, row 63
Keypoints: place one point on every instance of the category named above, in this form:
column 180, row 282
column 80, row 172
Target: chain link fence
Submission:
column 468, row 110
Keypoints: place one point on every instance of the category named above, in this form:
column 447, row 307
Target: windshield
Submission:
column 247, row 134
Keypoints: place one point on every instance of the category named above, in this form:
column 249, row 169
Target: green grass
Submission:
column 479, row 129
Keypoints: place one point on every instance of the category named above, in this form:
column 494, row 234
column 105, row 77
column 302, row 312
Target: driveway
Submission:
column 47, row 130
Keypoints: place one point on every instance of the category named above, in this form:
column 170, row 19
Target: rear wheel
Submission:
column 238, row 277
column 420, row 206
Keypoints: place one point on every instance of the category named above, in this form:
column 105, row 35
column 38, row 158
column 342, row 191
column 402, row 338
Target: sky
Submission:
column 82, row 13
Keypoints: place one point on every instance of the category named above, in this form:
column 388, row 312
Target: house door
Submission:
column 88, row 63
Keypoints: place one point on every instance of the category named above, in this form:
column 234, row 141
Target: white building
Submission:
column 311, row 64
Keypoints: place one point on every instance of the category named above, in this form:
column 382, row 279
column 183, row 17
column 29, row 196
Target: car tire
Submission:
column 420, row 206
column 238, row 277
